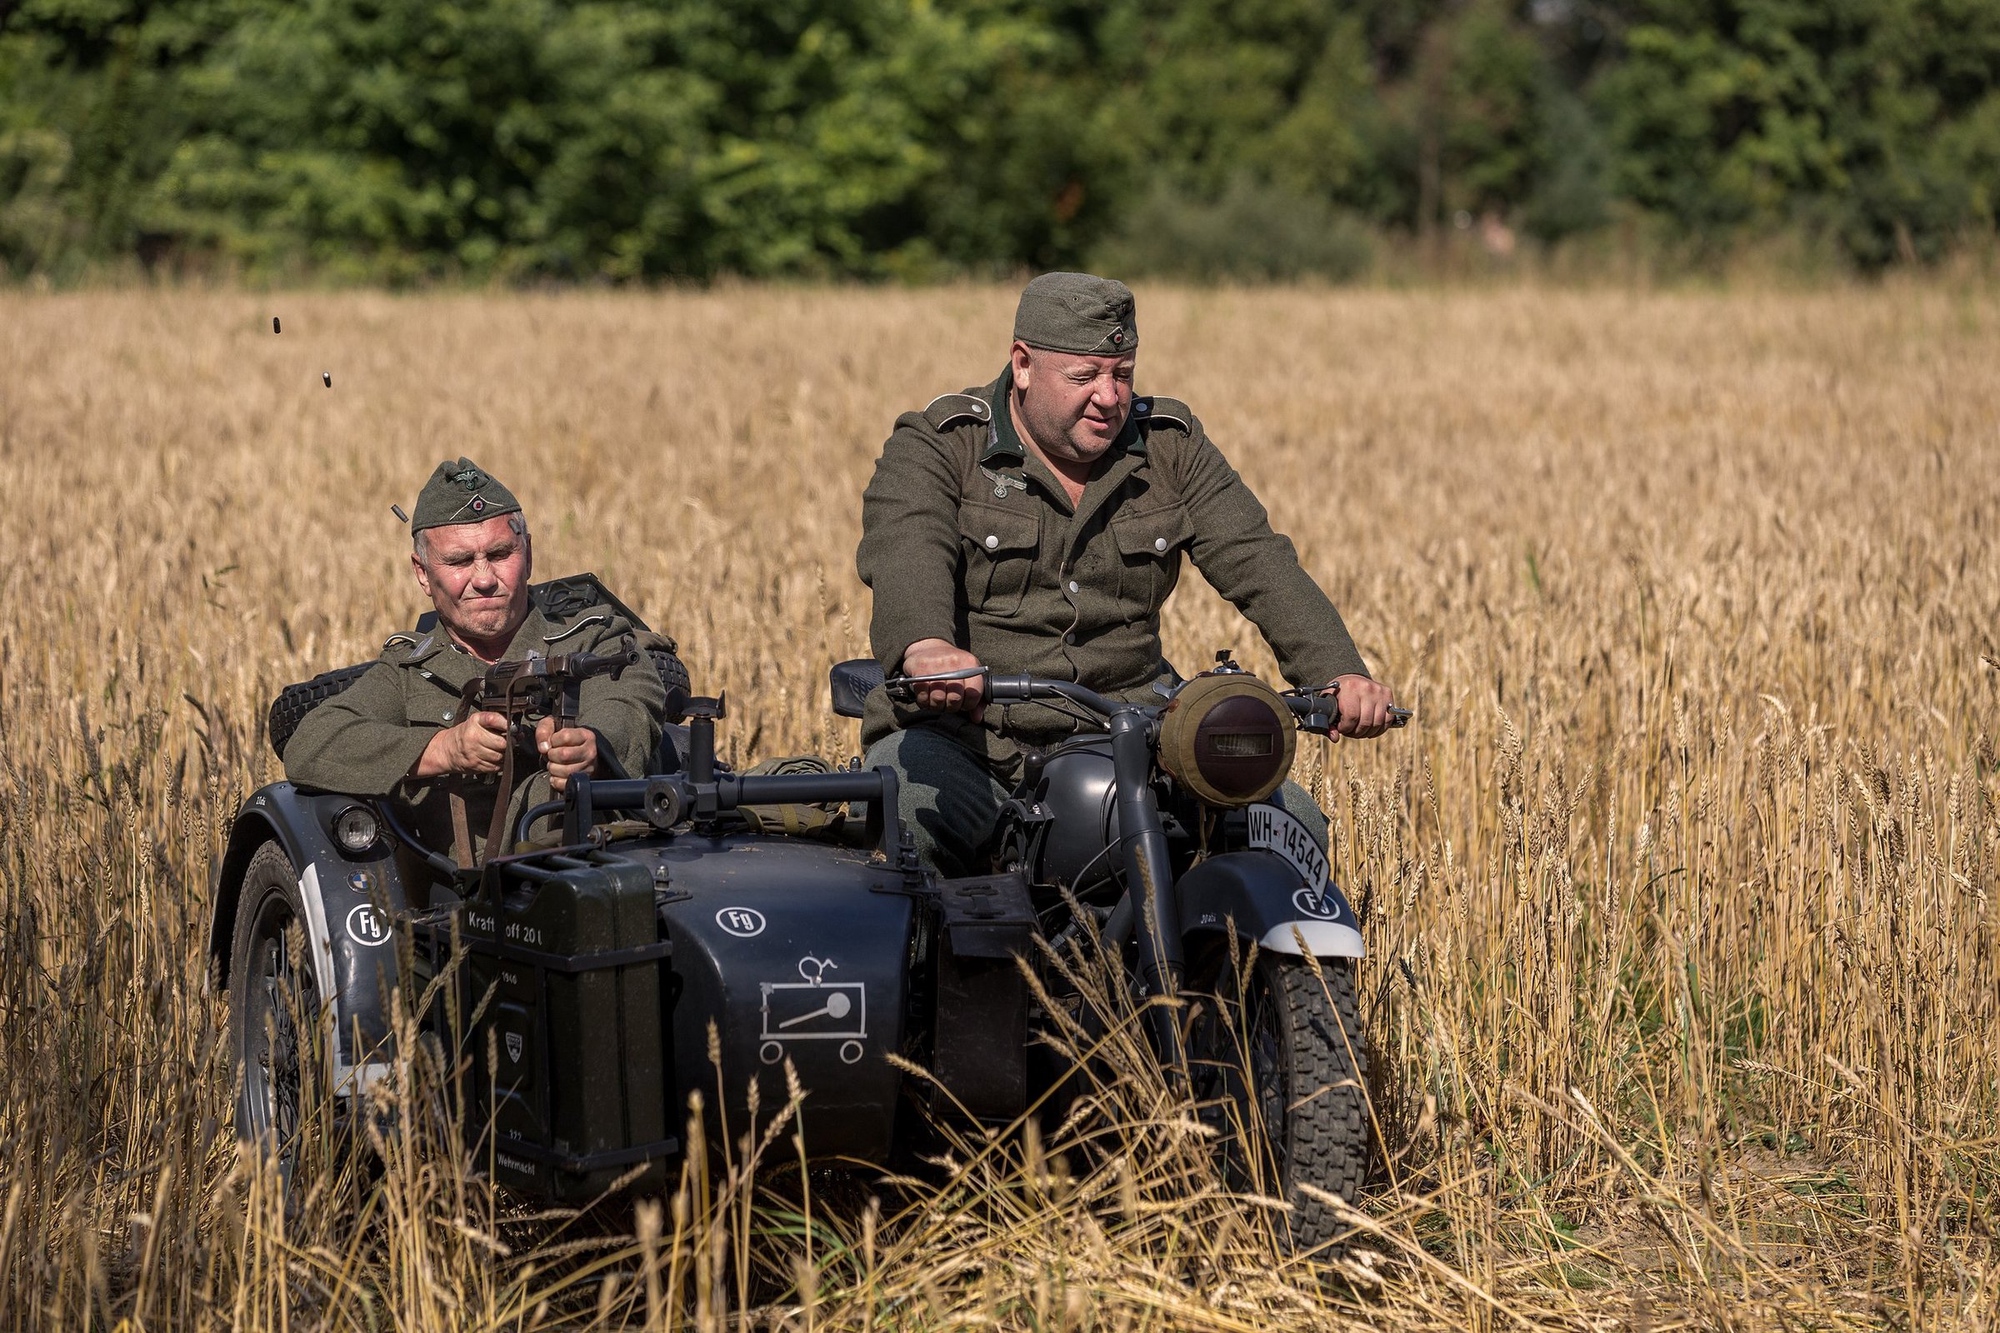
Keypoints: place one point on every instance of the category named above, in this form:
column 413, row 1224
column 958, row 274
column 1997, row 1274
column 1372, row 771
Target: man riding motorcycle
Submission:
column 1037, row 524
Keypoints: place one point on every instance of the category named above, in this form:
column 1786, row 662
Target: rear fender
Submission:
column 349, row 903
column 1261, row 894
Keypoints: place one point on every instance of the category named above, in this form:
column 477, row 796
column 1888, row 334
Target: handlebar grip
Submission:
column 1321, row 712
column 1010, row 689
column 903, row 690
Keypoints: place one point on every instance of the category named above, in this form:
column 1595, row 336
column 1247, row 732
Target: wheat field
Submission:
column 1684, row 974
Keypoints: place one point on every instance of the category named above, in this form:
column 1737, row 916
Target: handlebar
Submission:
column 1016, row 689
column 1315, row 711
column 1320, row 710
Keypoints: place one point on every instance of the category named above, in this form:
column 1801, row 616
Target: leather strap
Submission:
column 461, row 835
column 502, row 797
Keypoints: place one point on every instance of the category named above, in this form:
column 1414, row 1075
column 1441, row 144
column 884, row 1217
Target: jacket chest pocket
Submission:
column 1149, row 553
column 1000, row 546
column 429, row 701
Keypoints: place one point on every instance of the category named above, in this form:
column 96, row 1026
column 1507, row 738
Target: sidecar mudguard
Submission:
column 349, row 904
column 793, row 962
column 1261, row 893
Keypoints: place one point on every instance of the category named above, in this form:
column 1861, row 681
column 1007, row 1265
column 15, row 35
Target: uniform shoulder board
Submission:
column 560, row 599
column 1163, row 411
column 950, row 409
column 409, row 646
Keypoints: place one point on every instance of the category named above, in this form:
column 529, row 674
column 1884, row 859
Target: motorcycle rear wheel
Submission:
column 1279, row 1066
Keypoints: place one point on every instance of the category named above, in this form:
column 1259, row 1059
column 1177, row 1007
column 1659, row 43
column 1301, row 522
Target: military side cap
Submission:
column 1077, row 312
column 461, row 492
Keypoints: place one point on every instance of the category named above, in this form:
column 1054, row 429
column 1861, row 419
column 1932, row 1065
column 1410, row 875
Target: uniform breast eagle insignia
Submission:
column 1003, row 482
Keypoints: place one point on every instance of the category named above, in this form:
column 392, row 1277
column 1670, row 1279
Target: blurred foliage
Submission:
column 614, row 140
column 1877, row 120
column 1254, row 233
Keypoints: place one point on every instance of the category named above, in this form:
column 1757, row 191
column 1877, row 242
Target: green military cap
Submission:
column 1077, row 312
column 461, row 492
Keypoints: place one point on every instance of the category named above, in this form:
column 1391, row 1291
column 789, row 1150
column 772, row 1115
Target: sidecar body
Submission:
column 586, row 985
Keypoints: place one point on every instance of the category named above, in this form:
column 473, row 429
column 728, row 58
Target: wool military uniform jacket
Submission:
column 967, row 537
column 366, row 739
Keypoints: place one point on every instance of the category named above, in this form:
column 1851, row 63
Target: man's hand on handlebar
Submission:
column 1364, row 706
column 935, row 657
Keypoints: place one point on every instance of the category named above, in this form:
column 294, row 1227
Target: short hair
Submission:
column 517, row 523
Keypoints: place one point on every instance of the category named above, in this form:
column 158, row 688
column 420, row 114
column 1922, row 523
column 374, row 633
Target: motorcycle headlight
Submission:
column 1228, row 738
column 354, row 829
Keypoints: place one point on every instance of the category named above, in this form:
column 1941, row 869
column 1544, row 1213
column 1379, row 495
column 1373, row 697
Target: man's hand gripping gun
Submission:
column 526, row 692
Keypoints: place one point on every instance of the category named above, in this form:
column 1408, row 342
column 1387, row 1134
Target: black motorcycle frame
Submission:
column 1255, row 894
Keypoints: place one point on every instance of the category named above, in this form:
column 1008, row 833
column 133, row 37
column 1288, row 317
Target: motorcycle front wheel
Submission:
column 1279, row 1068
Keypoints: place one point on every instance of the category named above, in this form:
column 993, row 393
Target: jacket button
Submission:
column 1072, row 585
column 447, row 715
column 1069, row 638
column 992, row 542
column 1159, row 543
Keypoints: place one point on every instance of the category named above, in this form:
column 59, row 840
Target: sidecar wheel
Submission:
column 274, row 1005
column 1280, row 1074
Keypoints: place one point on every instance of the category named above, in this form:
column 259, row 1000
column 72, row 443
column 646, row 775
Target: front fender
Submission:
column 1261, row 893
column 349, row 902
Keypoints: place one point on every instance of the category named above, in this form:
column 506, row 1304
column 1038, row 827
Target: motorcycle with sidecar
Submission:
column 589, row 975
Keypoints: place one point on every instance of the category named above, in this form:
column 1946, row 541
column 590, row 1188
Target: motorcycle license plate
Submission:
column 1272, row 830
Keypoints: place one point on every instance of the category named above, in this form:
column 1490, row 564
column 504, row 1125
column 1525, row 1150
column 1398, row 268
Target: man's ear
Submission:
column 423, row 574
column 1023, row 361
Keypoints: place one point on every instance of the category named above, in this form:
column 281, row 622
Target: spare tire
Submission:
column 673, row 675
column 295, row 701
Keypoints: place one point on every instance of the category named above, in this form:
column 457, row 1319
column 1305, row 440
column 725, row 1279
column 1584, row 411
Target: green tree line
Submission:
column 528, row 140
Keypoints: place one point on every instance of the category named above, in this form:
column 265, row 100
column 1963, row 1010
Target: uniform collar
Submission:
column 1003, row 442
column 533, row 634
column 418, row 647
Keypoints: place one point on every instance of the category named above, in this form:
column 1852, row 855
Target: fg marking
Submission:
column 367, row 927
column 814, row 1009
column 1322, row 905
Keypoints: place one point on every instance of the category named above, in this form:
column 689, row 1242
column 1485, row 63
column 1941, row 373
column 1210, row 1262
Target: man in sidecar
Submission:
column 1037, row 524
column 397, row 730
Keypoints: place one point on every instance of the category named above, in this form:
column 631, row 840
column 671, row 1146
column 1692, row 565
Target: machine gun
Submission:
column 524, row 693
column 528, row 691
